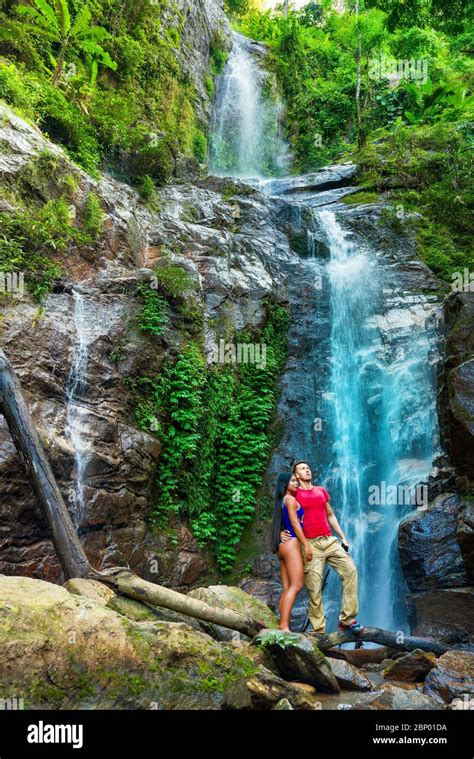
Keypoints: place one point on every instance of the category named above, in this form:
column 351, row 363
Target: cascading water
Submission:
column 372, row 370
column 246, row 136
column 75, row 397
column 382, row 420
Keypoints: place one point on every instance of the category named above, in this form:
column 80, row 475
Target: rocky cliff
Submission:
column 227, row 243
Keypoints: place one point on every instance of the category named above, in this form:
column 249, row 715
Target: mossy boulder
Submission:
column 411, row 667
column 230, row 597
column 265, row 690
column 297, row 657
column 62, row 650
column 92, row 589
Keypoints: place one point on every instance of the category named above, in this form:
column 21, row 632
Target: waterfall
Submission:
column 366, row 350
column 383, row 426
column 246, row 136
column 75, row 396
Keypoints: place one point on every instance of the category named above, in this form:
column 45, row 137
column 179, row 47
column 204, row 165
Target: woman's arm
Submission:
column 332, row 519
column 292, row 506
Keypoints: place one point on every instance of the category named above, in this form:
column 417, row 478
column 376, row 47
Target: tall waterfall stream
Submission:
column 375, row 398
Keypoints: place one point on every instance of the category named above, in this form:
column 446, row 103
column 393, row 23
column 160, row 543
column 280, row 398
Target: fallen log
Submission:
column 383, row 637
column 30, row 450
column 129, row 584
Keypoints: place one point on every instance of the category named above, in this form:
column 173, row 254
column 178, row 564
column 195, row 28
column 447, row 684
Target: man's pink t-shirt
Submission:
column 313, row 502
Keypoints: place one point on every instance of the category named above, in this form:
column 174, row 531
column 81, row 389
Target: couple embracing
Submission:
column 303, row 541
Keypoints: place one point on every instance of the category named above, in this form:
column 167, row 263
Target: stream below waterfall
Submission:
column 367, row 418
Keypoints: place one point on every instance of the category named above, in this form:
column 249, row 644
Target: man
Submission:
column 317, row 522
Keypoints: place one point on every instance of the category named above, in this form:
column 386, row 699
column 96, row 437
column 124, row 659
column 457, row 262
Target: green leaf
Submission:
column 81, row 22
column 48, row 12
column 63, row 16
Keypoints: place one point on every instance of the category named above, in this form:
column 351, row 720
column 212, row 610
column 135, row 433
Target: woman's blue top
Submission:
column 286, row 519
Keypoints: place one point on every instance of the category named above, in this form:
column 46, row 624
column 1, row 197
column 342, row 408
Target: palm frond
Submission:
column 48, row 13
column 97, row 33
column 42, row 30
column 81, row 22
column 63, row 16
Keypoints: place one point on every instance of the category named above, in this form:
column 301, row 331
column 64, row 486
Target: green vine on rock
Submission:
column 215, row 426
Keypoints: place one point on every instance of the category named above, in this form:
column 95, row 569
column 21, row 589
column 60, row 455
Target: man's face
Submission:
column 303, row 472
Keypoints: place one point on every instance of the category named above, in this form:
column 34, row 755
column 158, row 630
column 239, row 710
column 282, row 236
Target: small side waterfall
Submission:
column 246, row 138
column 75, row 396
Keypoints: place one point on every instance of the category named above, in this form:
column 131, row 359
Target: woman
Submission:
column 289, row 516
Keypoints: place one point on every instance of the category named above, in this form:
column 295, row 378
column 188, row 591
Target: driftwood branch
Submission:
column 383, row 637
column 28, row 444
column 156, row 595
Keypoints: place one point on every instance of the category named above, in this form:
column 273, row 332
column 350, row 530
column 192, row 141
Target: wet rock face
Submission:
column 456, row 399
column 236, row 258
column 445, row 613
column 452, row 677
column 205, row 25
column 435, row 549
column 429, row 551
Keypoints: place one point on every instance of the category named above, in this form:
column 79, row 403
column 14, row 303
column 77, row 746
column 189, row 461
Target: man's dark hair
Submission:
column 297, row 463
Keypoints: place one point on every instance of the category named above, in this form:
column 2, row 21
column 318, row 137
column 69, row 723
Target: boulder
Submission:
column 428, row 548
column 393, row 698
column 465, row 535
column 283, row 706
column 264, row 690
column 61, row 650
column 92, row 589
column 452, row 676
column 456, row 397
column 460, row 382
column 348, row 676
column 297, row 657
column 230, row 597
column 412, row 667
column 443, row 613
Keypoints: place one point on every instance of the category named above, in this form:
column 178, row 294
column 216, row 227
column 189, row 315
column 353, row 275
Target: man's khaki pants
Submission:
column 328, row 548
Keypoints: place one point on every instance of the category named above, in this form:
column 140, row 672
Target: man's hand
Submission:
column 308, row 552
column 345, row 545
column 285, row 536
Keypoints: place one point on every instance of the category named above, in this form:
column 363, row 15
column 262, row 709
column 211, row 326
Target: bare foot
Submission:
column 285, row 629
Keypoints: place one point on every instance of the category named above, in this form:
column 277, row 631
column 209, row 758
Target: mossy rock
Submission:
column 231, row 597
column 297, row 657
column 97, row 658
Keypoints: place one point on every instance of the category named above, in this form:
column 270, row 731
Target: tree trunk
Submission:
column 28, row 444
column 60, row 63
column 129, row 584
column 384, row 637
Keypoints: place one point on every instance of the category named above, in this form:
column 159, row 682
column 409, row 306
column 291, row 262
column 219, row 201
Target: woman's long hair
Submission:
column 282, row 484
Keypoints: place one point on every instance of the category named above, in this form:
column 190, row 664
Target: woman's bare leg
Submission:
column 290, row 553
column 284, row 580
